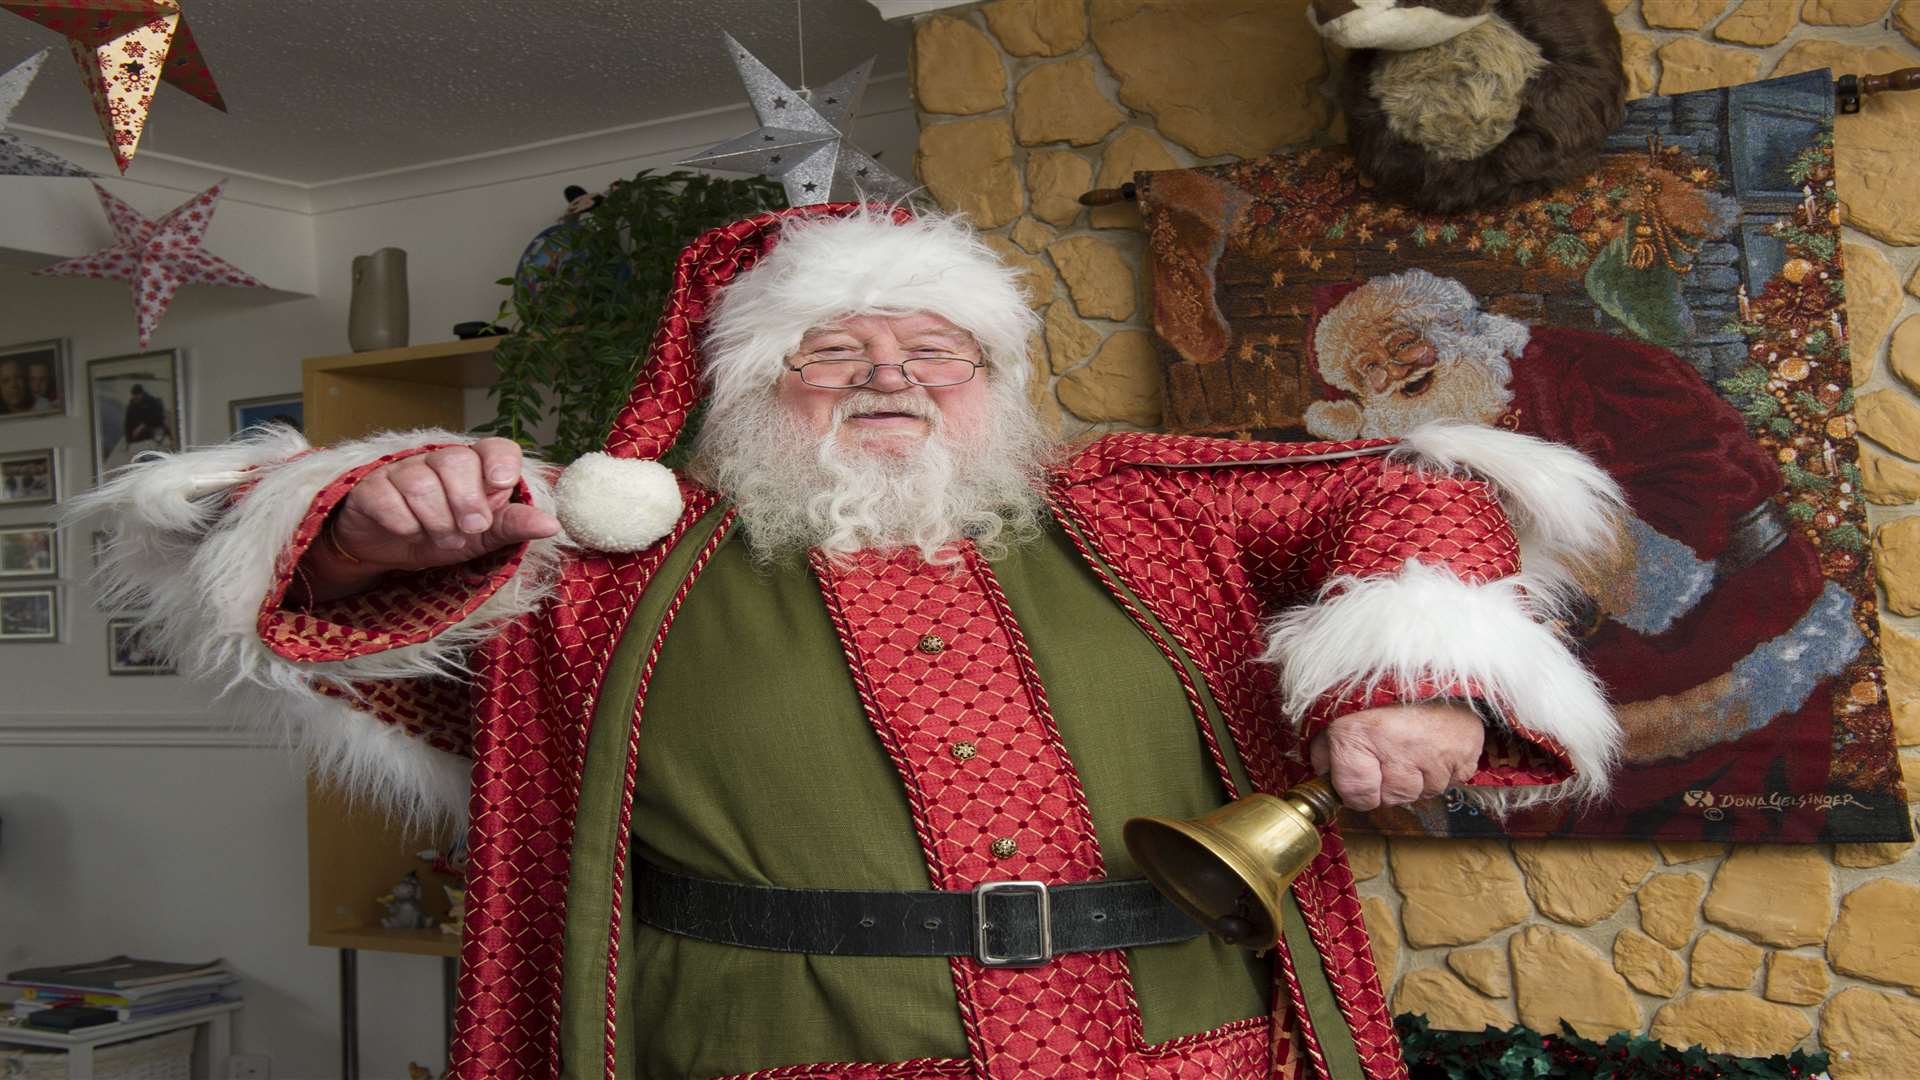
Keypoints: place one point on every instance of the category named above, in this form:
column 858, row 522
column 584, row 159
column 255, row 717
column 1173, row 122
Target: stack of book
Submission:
column 135, row 989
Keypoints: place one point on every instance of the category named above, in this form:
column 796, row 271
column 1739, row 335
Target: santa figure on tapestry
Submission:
column 1713, row 627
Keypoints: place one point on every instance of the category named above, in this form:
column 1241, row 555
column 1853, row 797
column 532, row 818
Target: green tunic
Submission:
column 756, row 764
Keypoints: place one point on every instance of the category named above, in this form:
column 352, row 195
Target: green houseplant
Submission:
column 581, row 318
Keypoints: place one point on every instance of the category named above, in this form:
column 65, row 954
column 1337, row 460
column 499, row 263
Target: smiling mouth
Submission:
column 1418, row 386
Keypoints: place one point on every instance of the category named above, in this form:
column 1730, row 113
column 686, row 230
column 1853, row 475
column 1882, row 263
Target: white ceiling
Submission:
column 324, row 90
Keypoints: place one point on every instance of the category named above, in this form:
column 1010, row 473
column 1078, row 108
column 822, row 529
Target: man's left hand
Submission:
column 1394, row 755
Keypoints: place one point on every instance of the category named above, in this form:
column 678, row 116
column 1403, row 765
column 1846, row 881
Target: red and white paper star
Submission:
column 157, row 257
column 125, row 48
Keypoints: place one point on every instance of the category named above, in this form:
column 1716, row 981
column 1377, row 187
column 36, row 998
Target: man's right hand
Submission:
column 440, row 508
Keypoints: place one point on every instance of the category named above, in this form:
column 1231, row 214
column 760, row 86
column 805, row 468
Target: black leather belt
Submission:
column 999, row 923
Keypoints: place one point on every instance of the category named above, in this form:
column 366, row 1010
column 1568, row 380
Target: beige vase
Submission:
column 377, row 317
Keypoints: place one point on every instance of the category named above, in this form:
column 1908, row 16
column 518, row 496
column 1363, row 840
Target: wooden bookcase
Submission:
column 353, row 854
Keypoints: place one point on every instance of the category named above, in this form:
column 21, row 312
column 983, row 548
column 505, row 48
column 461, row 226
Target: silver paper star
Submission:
column 801, row 142
column 24, row 159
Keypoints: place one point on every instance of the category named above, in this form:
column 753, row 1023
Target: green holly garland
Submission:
column 1520, row 1053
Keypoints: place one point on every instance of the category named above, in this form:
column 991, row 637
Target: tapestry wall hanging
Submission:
column 1679, row 315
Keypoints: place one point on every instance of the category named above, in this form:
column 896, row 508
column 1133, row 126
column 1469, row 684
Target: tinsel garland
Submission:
column 1520, row 1053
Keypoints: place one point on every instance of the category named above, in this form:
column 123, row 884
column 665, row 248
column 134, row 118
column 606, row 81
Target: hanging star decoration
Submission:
column 125, row 48
column 157, row 257
column 802, row 139
column 20, row 158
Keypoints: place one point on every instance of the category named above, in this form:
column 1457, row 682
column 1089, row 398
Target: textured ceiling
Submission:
column 320, row 90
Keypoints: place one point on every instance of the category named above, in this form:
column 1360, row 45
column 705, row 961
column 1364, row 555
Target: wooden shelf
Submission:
column 381, row 939
column 354, row 854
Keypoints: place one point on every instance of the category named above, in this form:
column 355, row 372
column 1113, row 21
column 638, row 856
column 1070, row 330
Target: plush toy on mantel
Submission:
column 1463, row 104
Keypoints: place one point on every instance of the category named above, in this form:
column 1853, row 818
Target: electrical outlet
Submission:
column 250, row 1067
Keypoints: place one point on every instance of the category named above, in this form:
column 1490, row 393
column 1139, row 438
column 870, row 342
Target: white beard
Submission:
column 1465, row 387
column 796, row 491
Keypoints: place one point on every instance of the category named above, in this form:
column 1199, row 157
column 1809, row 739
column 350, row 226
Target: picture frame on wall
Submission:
column 136, row 405
column 128, row 652
column 287, row 409
column 33, row 380
column 30, row 478
column 29, row 551
column 29, row 614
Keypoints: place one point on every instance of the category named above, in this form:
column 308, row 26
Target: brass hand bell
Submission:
column 1229, row 869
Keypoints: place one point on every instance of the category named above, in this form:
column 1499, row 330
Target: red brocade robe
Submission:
column 1199, row 540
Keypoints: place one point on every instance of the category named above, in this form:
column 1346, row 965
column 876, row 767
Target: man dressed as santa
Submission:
column 813, row 762
column 1715, row 624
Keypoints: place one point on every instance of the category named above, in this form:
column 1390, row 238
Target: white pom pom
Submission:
column 617, row 504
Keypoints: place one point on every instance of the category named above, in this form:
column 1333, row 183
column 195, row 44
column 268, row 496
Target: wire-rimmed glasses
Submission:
column 849, row 374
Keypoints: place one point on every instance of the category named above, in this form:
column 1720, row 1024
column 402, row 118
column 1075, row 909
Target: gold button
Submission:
column 963, row 751
column 933, row 645
column 1005, row 848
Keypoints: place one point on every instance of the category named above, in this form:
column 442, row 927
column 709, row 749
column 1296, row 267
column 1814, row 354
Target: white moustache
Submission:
column 867, row 402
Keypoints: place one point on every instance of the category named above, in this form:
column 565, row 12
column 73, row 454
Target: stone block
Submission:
column 1877, row 935
column 1876, row 156
column 1036, row 281
column 1887, row 480
column 1456, row 892
column 1038, row 27
column 1900, row 652
column 1056, row 179
column 1890, row 418
column 1383, row 935
column 1903, row 353
column 1069, row 339
column 1681, row 14
column 1031, row 235
column 1447, row 1003
column 1134, row 150
column 1556, row 977
column 1873, row 295
column 1757, row 22
column 1123, row 384
column 1719, row 960
column 1366, row 854
column 1675, row 852
column 1636, row 56
column 1058, row 102
column 1098, row 275
column 1777, row 895
column 1870, row 1035
column 1209, row 77
column 1688, row 64
column 956, row 69
column 1668, row 903
column 1651, row 967
column 1730, row 1023
column 1581, row 882
column 1906, row 18
column 1486, row 970
column 1842, row 12
column 967, row 166
column 1797, row 979
column 1896, row 561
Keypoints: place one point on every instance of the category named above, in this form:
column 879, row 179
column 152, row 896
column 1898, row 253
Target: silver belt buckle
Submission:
column 981, row 924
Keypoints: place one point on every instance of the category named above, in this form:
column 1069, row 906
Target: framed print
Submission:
column 33, row 380
column 135, row 406
column 29, row 478
column 285, row 409
column 128, row 652
column 30, row 614
column 29, row 551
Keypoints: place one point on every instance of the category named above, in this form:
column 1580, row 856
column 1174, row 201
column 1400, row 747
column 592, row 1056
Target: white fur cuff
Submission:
column 1426, row 624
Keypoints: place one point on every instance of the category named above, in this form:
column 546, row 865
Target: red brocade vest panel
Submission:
column 1210, row 536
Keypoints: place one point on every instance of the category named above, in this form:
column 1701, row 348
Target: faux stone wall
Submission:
column 1024, row 104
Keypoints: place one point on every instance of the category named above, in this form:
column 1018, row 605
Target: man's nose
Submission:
column 888, row 378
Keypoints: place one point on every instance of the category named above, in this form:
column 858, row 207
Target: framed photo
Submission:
column 285, row 409
column 136, row 404
column 29, row 551
column 129, row 654
column 33, row 380
column 29, row 478
column 30, row 614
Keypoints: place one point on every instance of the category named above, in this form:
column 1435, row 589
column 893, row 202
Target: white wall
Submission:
column 132, row 821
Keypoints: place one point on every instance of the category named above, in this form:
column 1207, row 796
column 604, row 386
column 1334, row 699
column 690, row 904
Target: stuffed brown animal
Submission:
column 1459, row 104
